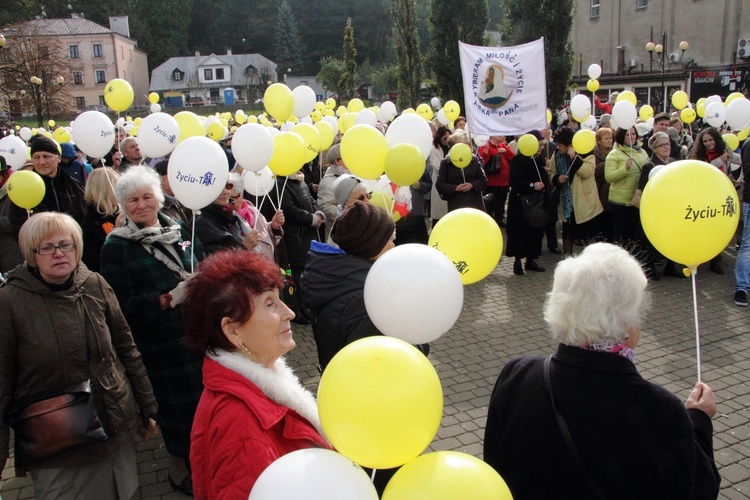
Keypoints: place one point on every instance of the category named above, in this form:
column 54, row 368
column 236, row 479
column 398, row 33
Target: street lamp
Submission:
column 662, row 59
column 41, row 89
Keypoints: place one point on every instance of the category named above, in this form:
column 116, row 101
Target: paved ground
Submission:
column 502, row 319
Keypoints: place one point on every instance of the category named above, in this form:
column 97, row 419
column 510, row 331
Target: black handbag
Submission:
column 493, row 166
column 53, row 421
column 534, row 208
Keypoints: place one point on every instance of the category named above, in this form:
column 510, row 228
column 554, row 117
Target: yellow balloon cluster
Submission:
column 732, row 141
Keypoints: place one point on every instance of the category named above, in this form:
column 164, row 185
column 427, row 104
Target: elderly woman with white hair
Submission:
column 147, row 263
column 583, row 423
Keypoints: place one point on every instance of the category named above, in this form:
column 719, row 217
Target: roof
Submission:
column 57, row 27
column 161, row 76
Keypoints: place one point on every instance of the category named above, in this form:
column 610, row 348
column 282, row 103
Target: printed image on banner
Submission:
column 504, row 87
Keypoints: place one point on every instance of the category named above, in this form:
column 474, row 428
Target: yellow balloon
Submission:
column 128, row 118
column 447, row 475
column 584, row 141
column 580, row 120
column 690, row 212
column 118, row 94
column 288, row 153
column 216, row 131
column 549, row 116
column 51, row 124
column 346, row 122
column 363, row 149
column 687, row 115
column 408, row 111
column 425, row 111
column 528, row 145
column 341, row 110
column 368, row 411
column 742, row 134
column 734, row 95
column 153, row 98
column 732, row 141
column 239, row 118
column 404, row 164
column 320, row 106
column 330, row 103
column 252, row 119
column 679, row 99
column 472, row 240
column 190, row 125
column 26, row 189
column 138, row 120
column 452, row 110
column 316, row 116
column 645, row 113
column 329, row 112
column 384, row 200
column 61, row 135
column 355, row 105
column 700, row 109
column 700, row 101
column 312, row 139
column 279, row 102
column 133, row 132
column 233, row 129
column 327, row 134
column 627, row 96
column 592, row 85
column 461, row 155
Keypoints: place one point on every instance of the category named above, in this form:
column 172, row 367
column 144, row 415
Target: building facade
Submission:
column 614, row 34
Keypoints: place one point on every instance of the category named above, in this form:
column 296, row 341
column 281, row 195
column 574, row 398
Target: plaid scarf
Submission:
column 147, row 236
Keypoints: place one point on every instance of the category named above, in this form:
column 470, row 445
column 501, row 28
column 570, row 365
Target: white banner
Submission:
column 505, row 88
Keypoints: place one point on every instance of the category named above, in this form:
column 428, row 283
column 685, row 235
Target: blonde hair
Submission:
column 100, row 190
column 458, row 136
column 43, row 225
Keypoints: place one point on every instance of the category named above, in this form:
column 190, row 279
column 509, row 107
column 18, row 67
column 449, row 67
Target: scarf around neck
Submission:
column 613, row 347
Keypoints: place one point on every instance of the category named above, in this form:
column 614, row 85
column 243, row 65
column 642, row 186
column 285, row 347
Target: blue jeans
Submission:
column 742, row 266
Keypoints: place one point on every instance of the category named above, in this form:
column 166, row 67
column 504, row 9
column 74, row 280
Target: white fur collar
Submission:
column 279, row 383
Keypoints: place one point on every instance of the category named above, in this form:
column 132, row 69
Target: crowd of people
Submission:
column 107, row 283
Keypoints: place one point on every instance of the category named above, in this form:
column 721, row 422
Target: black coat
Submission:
column 450, row 176
column 635, row 437
column 523, row 239
column 218, row 230
column 95, row 228
column 299, row 207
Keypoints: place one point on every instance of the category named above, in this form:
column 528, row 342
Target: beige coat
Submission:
column 586, row 203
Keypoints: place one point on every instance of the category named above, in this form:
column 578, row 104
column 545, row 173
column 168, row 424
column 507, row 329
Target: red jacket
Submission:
column 502, row 177
column 238, row 432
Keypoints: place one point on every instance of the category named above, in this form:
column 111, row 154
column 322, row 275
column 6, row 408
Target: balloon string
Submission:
column 28, row 214
column 372, row 476
column 697, row 327
column 463, row 174
column 192, row 247
column 283, row 187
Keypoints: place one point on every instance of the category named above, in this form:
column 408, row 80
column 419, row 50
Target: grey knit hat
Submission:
column 343, row 187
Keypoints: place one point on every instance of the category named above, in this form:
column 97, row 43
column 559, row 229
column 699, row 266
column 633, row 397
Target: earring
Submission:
column 248, row 354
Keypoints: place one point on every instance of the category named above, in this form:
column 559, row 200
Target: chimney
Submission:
column 197, row 53
column 229, row 52
column 120, row 24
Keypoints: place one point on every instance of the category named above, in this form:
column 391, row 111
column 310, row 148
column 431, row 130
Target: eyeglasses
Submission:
column 229, row 186
column 48, row 249
column 364, row 197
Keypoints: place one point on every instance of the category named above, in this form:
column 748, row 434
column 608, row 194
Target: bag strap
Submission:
column 563, row 426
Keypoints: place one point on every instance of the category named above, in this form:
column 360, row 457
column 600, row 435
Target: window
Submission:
column 122, row 52
column 101, row 76
column 219, row 73
column 251, row 70
column 98, row 50
column 594, row 8
column 208, row 74
column 177, row 75
column 641, row 4
column 74, row 52
column 77, row 78
column 102, row 102
column 81, row 103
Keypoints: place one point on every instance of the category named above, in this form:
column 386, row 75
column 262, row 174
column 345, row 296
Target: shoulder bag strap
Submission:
column 563, row 426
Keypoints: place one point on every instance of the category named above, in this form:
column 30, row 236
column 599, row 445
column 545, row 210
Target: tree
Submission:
column 346, row 83
column 288, row 44
column 29, row 57
column 450, row 23
column 551, row 19
column 331, row 70
column 406, row 44
column 162, row 31
column 384, row 79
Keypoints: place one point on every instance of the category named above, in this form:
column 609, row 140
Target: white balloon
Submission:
column 481, row 140
column 595, row 71
column 306, row 119
column 273, row 131
column 158, row 135
column 198, row 170
column 410, row 129
column 435, row 101
column 252, row 146
column 642, row 129
column 624, row 114
column 94, row 133
column 287, row 126
column 120, row 121
column 650, row 122
column 712, row 99
column 313, row 474
column 655, row 170
column 25, row 133
column 14, row 150
column 258, row 183
column 442, row 118
column 589, row 123
column 155, row 108
column 388, row 111
column 382, row 184
column 367, row 117
column 715, row 114
column 580, row 106
column 402, row 303
column 332, row 121
column 738, row 113
column 304, row 100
